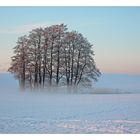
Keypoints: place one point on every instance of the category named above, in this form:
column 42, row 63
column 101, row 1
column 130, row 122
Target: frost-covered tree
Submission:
column 35, row 57
column 53, row 56
column 20, row 61
column 79, row 60
column 54, row 36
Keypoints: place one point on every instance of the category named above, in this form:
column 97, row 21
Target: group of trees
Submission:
column 53, row 56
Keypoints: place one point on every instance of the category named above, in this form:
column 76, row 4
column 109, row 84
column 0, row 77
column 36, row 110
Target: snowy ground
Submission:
column 67, row 113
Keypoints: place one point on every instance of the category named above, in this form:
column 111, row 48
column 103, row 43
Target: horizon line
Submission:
column 131, row 74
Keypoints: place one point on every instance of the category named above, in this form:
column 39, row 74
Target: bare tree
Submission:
column 35, row 38
column 53, row 56
column 20, row 61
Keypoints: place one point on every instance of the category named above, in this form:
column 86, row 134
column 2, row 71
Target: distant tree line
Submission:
column 53, row 56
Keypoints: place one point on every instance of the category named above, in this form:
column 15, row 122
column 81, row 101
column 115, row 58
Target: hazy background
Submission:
column 113, row 31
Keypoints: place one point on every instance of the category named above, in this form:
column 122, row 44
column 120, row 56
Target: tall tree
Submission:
column 53, row 56
column 35, row 37
column 20, row 61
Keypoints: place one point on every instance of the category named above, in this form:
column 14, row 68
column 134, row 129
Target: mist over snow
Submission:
column 30, row 112
column 119, row 83
column 107, row 83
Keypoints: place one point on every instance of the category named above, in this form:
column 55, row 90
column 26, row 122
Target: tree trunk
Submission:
column 39, row 60
column 45, row 62
column 58, row 65
column 22, row 86
column 51, row 63
column 58, row 62
column 77, row 68
column 72, row 63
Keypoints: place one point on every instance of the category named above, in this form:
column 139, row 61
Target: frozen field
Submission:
column 67, row 113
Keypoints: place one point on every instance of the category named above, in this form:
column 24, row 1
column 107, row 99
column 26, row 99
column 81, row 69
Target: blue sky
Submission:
column 113, row 31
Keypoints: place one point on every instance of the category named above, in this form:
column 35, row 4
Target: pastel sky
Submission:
column 113, row 31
